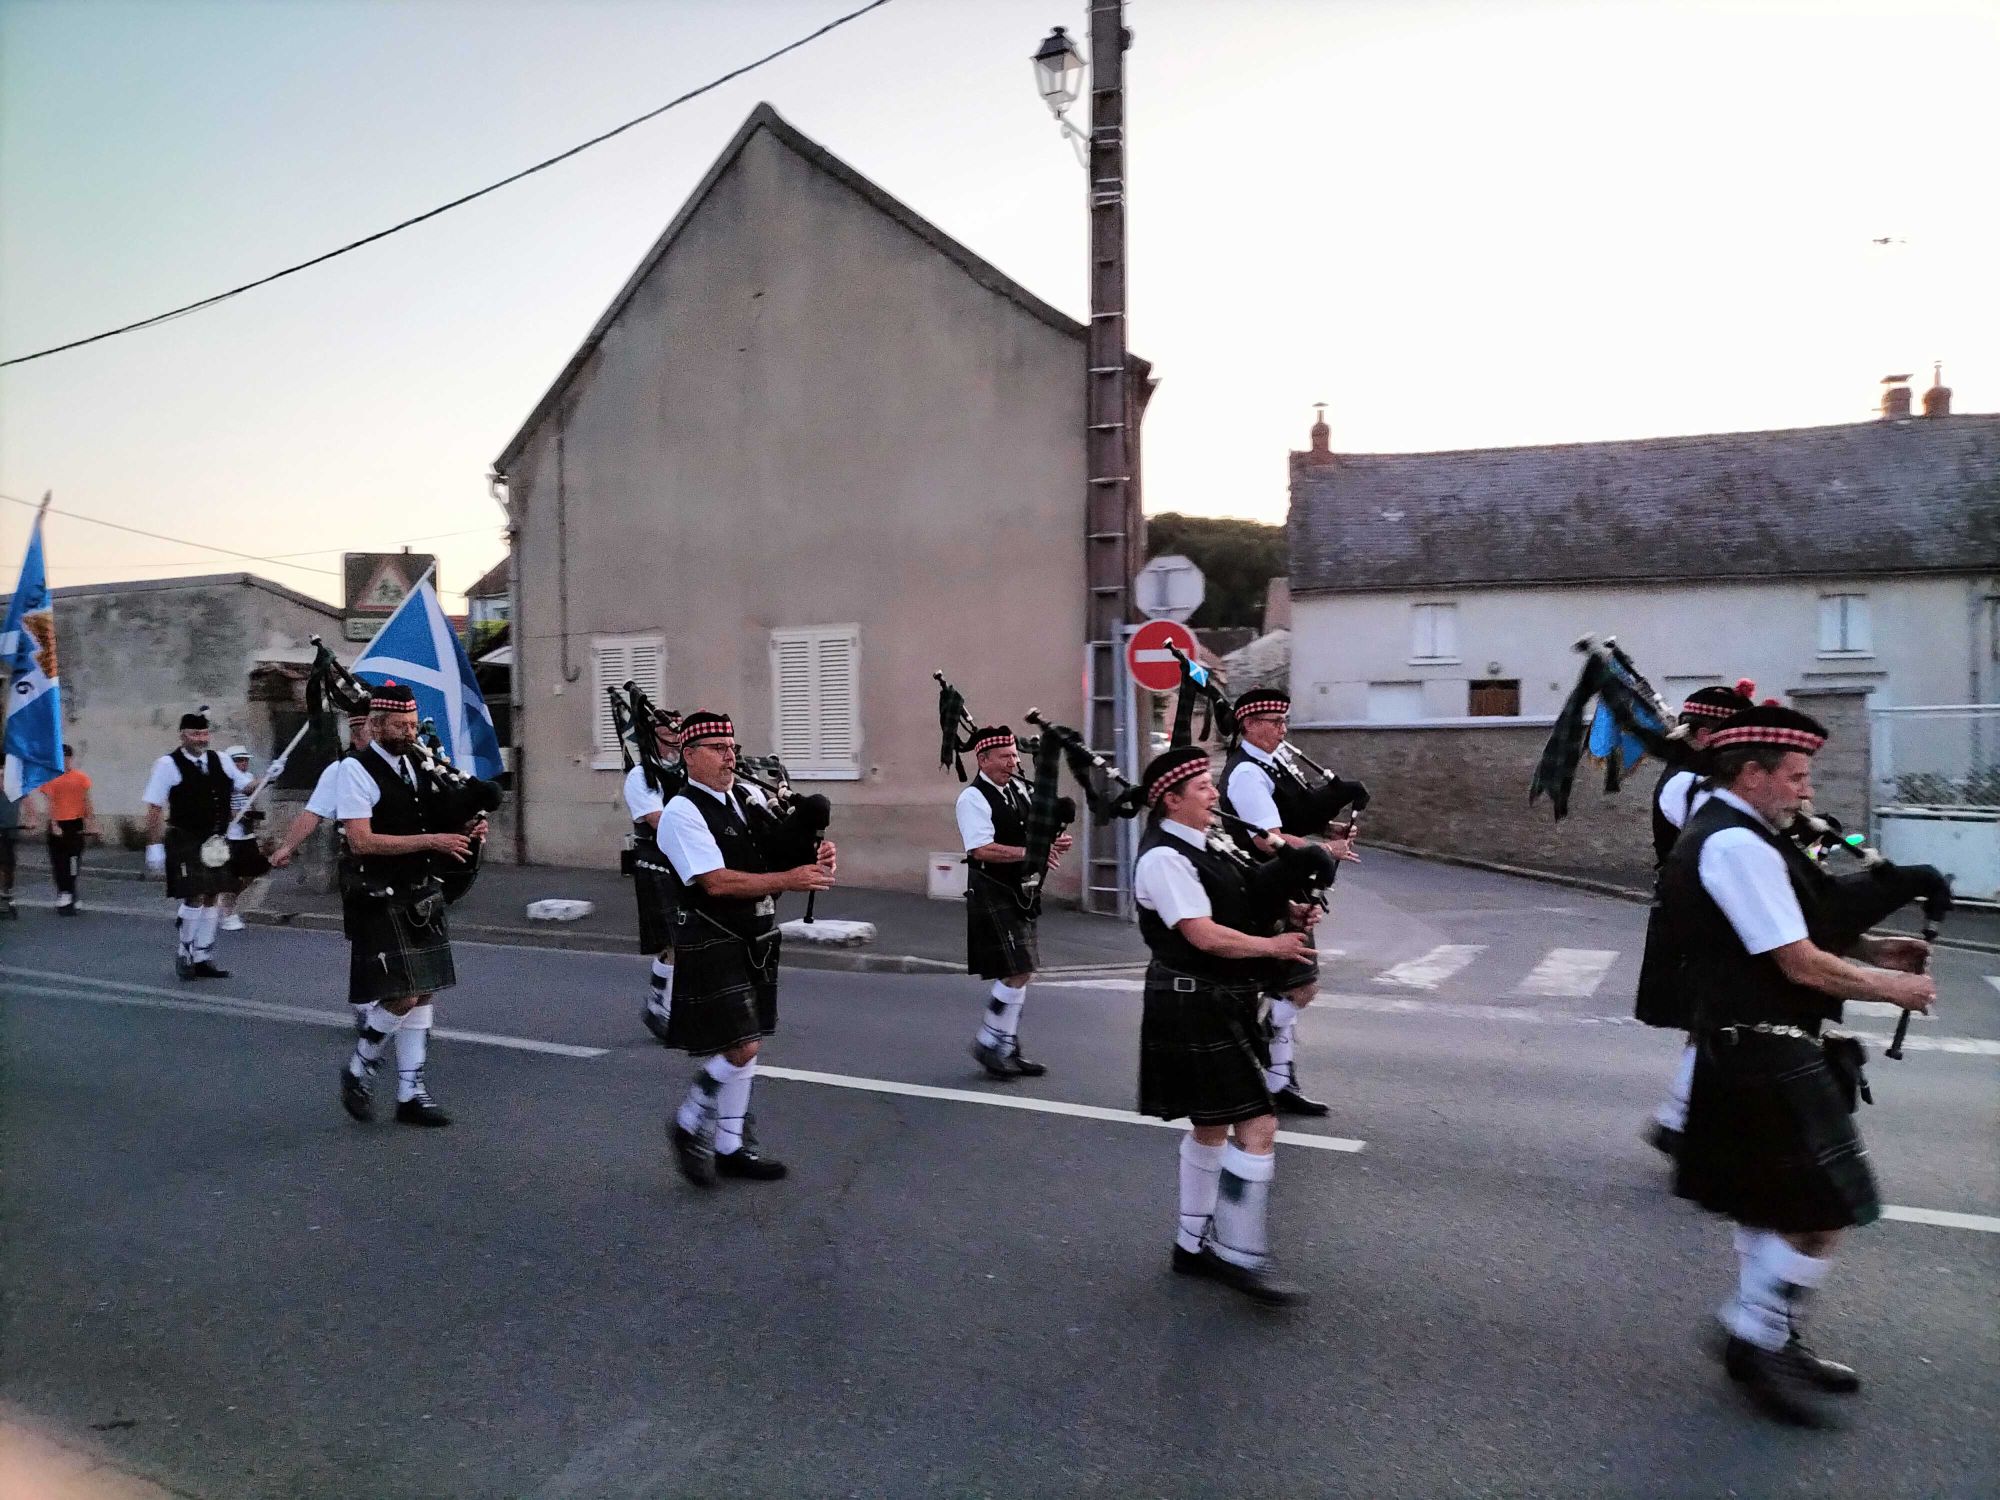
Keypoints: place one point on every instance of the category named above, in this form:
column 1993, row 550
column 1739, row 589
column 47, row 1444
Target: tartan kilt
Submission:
column 1000, row 938
column 187, row 877
column 392, row 953
column 1663, row 998
column 1199, row 1054
column 1770, row 1141
column 658, row 891
column 721, row 998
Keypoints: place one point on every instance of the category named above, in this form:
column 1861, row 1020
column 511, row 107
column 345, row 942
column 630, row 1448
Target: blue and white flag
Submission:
column 418, row 648
column 34, row 697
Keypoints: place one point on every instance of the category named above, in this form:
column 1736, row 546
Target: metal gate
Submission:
column 1937, row 791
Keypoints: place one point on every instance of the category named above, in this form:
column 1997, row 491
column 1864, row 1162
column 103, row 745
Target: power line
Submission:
column 383, row 234
column 178, row 541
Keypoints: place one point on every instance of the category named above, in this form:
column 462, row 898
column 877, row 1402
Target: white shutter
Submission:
column 1434, row 632
column 792, row 678
column 837, row 711
column 1843, row 625
column 614, row 661
column 816, row 701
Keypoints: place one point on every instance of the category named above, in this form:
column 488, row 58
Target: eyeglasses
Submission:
column 726, row 747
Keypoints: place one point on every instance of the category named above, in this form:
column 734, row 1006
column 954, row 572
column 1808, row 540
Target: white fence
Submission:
column 1937, row 791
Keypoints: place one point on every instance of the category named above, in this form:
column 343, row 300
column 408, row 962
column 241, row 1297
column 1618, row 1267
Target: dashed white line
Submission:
column 1433, row 968
column 1942, row 1218
column 1575, row 972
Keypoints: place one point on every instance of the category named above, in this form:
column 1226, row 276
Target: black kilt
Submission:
column 187, row 877
column 723, row 997
column 395, row 953
column 1198, row 1050
column 1770, row 1140
column 1663, row 998
column 658, row 891
column 1000, row 939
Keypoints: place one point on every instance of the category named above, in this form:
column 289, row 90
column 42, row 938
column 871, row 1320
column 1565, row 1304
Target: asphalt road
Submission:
column 218, row 1280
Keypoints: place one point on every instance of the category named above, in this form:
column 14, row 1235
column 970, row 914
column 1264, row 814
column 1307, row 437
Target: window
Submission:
column 1395, row 702
column 1494, row 698
column 1843, row 625
column 816, row 701
column 1434, row 632
column 614, row 661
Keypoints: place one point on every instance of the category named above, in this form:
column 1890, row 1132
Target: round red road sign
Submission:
column 1152, row 665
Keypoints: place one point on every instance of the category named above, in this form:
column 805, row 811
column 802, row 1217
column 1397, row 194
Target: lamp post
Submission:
column 1113, row 526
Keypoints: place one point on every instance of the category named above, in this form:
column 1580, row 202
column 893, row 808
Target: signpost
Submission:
column 377, row 582
column 1146, row 655
column 1170, row 588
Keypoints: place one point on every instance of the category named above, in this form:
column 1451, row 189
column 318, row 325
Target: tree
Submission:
column 1238, row 558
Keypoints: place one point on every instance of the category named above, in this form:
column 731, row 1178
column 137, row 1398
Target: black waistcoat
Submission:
column 1295, row 803
column 1664, row 832
column 730, row 826
column 399, row 810
column 1732, row 986
column 199, row 803
column 1229, row 905
column 1010, row 826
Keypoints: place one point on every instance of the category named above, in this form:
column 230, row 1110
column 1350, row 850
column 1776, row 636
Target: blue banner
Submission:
column 419, row 649
column 33, row 740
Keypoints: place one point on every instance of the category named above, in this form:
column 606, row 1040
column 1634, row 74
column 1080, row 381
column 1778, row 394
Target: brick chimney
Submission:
column 1937, row 400
column 1895, row 398
column 1320, row 452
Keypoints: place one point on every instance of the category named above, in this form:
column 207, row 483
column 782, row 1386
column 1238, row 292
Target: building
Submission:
column 813, row 451
column 487, row 601
column 1438, row 596
column 136, row 656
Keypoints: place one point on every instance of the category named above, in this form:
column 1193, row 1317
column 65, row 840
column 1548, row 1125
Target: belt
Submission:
column 1765, row 1028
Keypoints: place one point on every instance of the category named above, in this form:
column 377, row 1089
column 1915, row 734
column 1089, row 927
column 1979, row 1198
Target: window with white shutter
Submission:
column 1434, row 632
column 816, row 702
column 1843, row 625
column 614, row 661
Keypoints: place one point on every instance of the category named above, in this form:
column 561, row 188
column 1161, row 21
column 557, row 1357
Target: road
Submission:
column 218, row 1281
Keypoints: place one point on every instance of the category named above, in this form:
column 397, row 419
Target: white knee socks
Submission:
column 660, row 997
column 1201, row 1177
column 702, row 1109
column 1673, row 1111
column 1280, row 1075
column 1242, row 1197
column 378, row 1025
column 732, row 1108
column 187, row 930
column 411, row 1039
column 1003, row 1016
column 1772, row 1282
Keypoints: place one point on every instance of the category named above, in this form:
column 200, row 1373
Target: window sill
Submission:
column 1847, row 656
column 1437, row 661
column 612, row 762
column 800, row 777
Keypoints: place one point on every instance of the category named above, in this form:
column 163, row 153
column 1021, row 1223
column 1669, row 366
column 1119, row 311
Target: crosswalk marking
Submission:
column 1576, row 972
column 1433, row 968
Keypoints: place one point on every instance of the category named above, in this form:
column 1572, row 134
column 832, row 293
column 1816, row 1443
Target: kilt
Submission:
column 1770, row 1141
column 393, row 953
column 722, row 997
column 1663, row 998
column 187, row 877
column 1000, row 939
column 1198, row 1050
column 658, row 891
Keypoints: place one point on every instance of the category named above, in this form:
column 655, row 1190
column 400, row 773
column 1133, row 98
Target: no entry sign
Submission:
column 1152, row 665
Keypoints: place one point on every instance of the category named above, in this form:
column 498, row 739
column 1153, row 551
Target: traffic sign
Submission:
column 1146, row 655
column 1170, row 588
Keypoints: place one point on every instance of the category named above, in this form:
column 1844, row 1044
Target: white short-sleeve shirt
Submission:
column 1165, row 880
column 975, row 814
column 1250, row 790
column 326, row 791
column 356, row 793
column 166, row 775
column 684, row 838
column 1676, row 806
column 641, row 801
column 1748, row 880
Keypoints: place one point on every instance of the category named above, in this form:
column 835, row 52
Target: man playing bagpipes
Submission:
column 1770, row 1139
column 1262, row 788
column 654, row 775
column 187, row 813
column 406, row 839
column 732, row 863
column 1000, row 943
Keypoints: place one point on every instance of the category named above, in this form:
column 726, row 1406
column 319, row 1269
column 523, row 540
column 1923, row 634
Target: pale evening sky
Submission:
column 1458, row 222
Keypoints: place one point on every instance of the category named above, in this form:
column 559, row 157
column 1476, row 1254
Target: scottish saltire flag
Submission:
column 418, row 649
column 34, row 698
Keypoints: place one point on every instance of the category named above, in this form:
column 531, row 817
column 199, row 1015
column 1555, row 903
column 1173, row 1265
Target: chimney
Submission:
column 1895, row 398
column 1320, row 452
column 1937, row 400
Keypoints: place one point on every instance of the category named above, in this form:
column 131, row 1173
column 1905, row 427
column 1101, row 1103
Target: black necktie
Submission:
column 409, row 776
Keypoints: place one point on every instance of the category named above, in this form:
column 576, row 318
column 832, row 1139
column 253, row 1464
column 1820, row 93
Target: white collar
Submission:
column 195, row 758
column 1738, row 803
column 395, row 761
column 1195, row 837
column 1002, row 790
column 702, row 786
column 1262, row 757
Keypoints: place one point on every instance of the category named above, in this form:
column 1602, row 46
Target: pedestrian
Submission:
column 71, row 823
column 247, row 863
column 187, row 813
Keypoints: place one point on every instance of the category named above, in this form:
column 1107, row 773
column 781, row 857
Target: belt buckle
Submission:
column 1183, row 985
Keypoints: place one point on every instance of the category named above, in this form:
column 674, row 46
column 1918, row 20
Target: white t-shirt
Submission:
column 166, row 775
column 1748, row 880
column 975, row 814
column 239, row 804
column 1675, row 805
column 1165, row 880
column 641, row 800
column 684, row 838
column 326, row 791
column 355, row 792
column 1250, row 791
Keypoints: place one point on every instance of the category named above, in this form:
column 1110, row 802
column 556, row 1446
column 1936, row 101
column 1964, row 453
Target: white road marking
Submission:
column 152, row 997
column 1576, row 972
column 1984, row 1223
column 1994, row 980
column 1434, row 968
column 1038, row 1106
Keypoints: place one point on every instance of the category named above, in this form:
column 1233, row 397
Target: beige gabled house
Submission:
column 812, row 451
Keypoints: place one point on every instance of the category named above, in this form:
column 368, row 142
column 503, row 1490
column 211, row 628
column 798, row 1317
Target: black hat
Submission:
column 999, row 737
column 704, row 724
column 196, row 720
column 1172, row 768
column 1262, row 703
column 1716, row 703
column 1769, row 725
column 392, row 698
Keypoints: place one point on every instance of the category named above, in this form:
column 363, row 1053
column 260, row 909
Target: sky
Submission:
column 1458, row 224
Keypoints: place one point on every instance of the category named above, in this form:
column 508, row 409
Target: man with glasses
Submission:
column 725, row 999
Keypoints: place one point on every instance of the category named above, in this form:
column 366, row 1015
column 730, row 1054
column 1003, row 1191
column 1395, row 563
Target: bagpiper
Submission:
column 187, row 813
column 648, row 785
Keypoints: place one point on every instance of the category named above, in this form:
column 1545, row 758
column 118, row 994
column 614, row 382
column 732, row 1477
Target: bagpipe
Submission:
column 634, row 719
column 1050, row 814
column 789, row 826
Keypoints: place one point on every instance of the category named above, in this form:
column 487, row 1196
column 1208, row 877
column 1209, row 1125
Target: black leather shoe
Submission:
column 1200, row 1262
column 357, row 1097
column 1772, row 1382
column 1666, row 1142
column 1022, row 1067
column 749, row 1164
column 693, row 1155
column 1824, row 1374
column 996, row 1063
column 1258, row 1283
column 182, row 968
column 1289, row 1101
column 206, row 969
column 420, row 1111
column 655, row 1023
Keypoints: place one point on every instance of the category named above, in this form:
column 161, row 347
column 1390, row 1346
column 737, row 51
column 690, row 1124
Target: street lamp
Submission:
column 1059, row 72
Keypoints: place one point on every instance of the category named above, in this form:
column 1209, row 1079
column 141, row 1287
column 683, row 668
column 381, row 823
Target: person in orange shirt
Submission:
column 71, row 821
